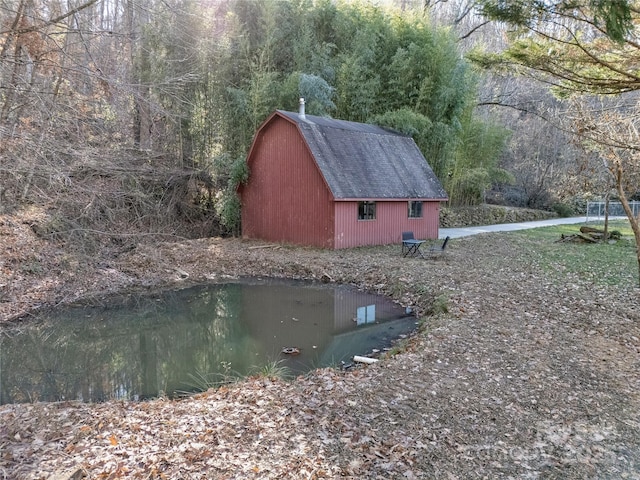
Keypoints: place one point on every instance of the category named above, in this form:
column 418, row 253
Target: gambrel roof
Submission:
column 362, row 161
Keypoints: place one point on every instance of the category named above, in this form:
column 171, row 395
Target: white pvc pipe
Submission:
column 360, row 359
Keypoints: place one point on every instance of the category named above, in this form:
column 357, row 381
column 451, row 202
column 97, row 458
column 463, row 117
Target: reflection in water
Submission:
column 366, row 314
column 188, row 339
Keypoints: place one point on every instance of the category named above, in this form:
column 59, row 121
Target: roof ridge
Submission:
column 340, row 124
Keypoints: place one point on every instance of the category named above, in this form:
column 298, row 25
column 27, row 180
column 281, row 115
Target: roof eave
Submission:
column 394, row 199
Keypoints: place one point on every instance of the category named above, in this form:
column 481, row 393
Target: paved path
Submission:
column 506, row 227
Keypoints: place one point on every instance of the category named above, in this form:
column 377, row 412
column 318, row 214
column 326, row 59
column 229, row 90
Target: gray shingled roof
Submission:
column 362, row 161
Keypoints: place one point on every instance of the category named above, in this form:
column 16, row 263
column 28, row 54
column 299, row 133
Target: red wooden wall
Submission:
column 286, row 199
column 391, row 220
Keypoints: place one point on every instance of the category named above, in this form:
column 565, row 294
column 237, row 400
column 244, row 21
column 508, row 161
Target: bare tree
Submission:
column 581, row 49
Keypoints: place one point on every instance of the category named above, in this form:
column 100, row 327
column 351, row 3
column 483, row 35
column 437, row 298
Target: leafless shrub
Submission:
column 94, row 198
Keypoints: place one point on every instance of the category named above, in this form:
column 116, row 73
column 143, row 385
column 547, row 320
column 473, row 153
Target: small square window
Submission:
column 366, row 210
column 415, row 209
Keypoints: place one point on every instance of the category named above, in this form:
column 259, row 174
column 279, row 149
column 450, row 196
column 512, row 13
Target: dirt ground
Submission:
column 517, row 372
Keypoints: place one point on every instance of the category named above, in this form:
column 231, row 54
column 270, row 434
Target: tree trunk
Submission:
column 606, row 215
column 633, row 220
column 139, row 58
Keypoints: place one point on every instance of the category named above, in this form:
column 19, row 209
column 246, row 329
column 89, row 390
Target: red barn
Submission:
column 336, row 184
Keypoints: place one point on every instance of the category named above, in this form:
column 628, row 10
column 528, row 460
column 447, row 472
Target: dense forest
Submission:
column 136, row 116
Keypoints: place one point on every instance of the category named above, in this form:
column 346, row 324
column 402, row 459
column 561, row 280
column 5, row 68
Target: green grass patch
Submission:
column 440, row 304
column 602, row 263
column 274, row 369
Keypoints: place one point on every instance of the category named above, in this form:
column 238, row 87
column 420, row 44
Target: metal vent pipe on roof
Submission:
column 301, row 110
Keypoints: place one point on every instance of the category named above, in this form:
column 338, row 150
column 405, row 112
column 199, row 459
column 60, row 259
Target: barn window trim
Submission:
column 366, row 210
column 415, row 209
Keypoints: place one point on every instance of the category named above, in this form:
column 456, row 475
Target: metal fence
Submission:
column 596, row 210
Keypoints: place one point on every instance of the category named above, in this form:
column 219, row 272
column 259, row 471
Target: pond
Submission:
column 191, row 339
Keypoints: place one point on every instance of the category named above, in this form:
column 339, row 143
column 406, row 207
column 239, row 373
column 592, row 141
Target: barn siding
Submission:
column 391, row 220
column 286, row 199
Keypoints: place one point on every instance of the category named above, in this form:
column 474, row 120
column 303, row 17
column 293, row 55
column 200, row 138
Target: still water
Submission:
column 186, row 340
